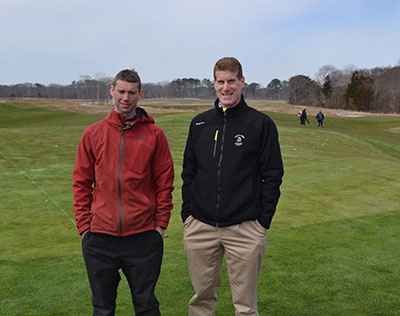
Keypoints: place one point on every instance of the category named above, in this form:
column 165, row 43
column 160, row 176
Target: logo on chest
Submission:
column 239, row 140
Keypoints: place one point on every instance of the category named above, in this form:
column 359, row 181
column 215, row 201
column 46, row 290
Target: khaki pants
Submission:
column 243, row 246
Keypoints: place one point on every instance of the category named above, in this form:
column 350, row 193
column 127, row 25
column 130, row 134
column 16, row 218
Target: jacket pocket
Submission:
column 137, row 155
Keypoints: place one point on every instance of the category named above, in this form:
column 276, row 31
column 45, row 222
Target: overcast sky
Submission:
column 57, row 41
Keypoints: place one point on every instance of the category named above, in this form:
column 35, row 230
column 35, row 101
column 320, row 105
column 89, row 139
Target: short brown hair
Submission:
column 129, row 75
column 229, row 64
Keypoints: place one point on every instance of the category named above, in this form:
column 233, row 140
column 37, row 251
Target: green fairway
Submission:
column 333, row 247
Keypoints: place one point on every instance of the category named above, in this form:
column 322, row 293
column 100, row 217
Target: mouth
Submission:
column 227, row 94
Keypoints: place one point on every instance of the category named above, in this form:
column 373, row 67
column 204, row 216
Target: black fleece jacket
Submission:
column 232, row 167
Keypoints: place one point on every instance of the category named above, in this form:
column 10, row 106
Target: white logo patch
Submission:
column 200, row 123
column 239, row 140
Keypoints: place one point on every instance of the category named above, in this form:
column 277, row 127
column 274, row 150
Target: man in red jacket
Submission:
column 123, row 180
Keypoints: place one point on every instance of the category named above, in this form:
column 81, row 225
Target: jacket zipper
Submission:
column 219, row 171
column 121, row 154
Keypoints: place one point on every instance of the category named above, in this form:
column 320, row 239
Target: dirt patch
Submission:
column 284, row 107
column 184, row 105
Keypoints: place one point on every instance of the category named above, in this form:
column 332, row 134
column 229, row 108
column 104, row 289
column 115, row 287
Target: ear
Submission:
column 141, row 93
column 112, row 89
column 242, row 81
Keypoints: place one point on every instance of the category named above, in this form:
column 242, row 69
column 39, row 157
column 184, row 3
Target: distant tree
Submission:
column 40, row 91
column 153, row 90
column 207, row 88
column 85, row 77
column 55, row 91
column 299, row 89
column 339, row 81
column 207, row 83
column 327, row 87
column 274, row 86
column 284, row 91
column 387, row 90
column 252, row 88
column 102, row 86
column 193, row 85
column 304, row 91
column 177, row 88
column 359, row 93
column 324, row 71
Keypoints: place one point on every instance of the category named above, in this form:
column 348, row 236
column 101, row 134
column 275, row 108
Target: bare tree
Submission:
column 274, row 87
column 387, row 90
column 252, row 88
column 324, row 71
column 303, row 90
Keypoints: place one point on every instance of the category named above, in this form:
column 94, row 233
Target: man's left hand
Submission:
column 160, row 230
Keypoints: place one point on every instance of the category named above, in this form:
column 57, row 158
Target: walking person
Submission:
column 303, row 117
column 122, row 184
column 299, row 116
column 232, row 171
column 320, row 118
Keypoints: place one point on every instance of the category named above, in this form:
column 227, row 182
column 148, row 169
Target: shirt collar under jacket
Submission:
column 239, row 108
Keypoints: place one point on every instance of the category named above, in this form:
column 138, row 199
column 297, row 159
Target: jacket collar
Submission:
column 236, row 110
column 118, row 120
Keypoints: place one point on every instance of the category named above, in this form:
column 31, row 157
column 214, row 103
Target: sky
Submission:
column 59, row 41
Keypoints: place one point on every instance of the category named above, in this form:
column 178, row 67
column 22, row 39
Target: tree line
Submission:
column 373, row 90
column 370, row 90
column 97, row 89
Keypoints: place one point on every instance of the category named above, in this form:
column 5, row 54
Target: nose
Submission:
column 225, row 86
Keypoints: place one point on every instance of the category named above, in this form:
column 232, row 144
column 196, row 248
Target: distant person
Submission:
column 303, row 117
column 232, row 171
column 320, row 118
column 123, row 180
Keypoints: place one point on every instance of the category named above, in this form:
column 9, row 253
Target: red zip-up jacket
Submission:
column 123, row 176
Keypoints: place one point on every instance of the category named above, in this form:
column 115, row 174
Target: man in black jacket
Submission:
column 232, row 171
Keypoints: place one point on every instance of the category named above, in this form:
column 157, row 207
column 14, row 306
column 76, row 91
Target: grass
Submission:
column 332, row 248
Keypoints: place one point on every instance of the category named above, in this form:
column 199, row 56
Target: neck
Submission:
column 126, row 116
column 228, row 106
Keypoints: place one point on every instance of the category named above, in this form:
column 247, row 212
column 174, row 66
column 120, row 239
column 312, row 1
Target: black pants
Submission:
column 139, row 256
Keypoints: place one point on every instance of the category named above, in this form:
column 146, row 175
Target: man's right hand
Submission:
column 84, row 233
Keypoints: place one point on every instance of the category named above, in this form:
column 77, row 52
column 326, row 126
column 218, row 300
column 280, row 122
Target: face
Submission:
column 228, row 88
column 126, row 96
